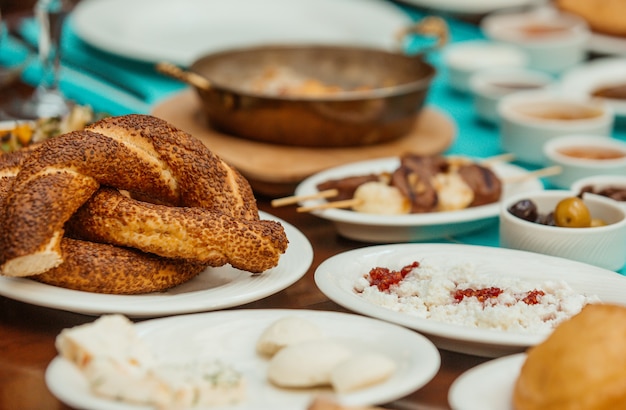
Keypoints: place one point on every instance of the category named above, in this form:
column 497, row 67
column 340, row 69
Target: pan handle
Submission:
column 429, row 26
column 188, row 77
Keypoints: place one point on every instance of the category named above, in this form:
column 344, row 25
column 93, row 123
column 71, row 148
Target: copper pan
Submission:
column 380, row 92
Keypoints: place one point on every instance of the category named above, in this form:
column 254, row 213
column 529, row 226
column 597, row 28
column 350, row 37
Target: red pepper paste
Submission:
column 384, row 278
column 531, row 298
column 480, row 294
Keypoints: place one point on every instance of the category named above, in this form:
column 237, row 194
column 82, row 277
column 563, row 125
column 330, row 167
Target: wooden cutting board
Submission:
column 275, row 170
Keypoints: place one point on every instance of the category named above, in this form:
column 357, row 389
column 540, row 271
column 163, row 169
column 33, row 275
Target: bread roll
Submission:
column 605, row 16
column 581, row 365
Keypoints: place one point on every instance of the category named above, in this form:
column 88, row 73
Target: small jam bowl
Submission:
column 463, row 59
column 489, row 86
column 613, row 186
column 584, row 155
column 554, row 41
column 603, row 246
column 529, row 119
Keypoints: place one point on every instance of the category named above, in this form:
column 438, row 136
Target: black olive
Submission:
column 525, row 209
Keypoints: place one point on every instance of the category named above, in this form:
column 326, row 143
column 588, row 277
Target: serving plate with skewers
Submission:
column 410, row 227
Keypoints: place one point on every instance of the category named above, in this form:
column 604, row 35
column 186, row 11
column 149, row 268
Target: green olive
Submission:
column 572, row 213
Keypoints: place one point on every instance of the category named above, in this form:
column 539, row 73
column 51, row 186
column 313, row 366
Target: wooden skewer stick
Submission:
column 347, row 203
column 543, row 172
column 289, row 200
column 506, row 157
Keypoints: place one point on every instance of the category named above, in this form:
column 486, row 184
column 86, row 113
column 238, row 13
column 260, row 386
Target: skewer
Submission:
column 329, row 193
column 346, row 203
column 290, row 200
column 539, row 173
column 506, row 157
column 349, row 203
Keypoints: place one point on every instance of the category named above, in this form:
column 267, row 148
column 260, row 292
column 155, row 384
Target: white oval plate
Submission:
column 183, row 30
column 605, row 44
column 582, row 80
column 215, row 288
column 488, row 386
column 473, row 6
column 337, row 276
column 410, row 227
column 231, row 337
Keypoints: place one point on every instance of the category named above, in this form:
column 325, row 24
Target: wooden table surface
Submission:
column 27, row 332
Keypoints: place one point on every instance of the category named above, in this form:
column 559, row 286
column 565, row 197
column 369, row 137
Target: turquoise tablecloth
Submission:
column 142, row 88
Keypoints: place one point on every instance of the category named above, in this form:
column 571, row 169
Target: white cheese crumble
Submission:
column 118, row 365
column 429, row 292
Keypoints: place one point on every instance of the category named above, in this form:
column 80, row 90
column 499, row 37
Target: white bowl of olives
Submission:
column 588, row 228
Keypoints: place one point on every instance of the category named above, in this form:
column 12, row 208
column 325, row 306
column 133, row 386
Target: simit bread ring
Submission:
column 102, row 268
column 141, row 154
column 93, row 267
column 195, row 234
column 201, row 178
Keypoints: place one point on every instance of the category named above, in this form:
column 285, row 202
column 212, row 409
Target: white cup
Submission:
column 529, row 119
column 554, row 41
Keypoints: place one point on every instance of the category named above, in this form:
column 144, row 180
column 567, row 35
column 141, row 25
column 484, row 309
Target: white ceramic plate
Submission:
column 581, row 81
column 183, row 30
column 410, row 227
column 605, row 44
column 488, row 386
column 337, row 275
column 231, row 336
column 473, row 6
column 215, row 288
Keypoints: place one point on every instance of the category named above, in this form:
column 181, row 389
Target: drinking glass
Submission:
column 47, row 100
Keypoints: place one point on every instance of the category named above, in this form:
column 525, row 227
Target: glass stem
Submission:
column 50, row 15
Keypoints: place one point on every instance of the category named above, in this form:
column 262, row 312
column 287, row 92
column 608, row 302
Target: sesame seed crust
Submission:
column 153, row 161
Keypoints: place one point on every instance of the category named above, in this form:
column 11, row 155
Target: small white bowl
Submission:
column 603, row 246
column 584, row 155
column 489, row 86
column 464, row 58
column 585, row 80
column 529, row 119
column 597, row 183
column 554, row 41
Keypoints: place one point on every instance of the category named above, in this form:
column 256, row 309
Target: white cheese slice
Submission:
column 111, row 336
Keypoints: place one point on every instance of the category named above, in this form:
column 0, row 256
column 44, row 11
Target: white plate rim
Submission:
column 307, row 187
column 416, row 348
column 91, row 21
column 333, row 283
column 606, row 44
column 474, row 381
column 298, row 259
column 472, row 7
